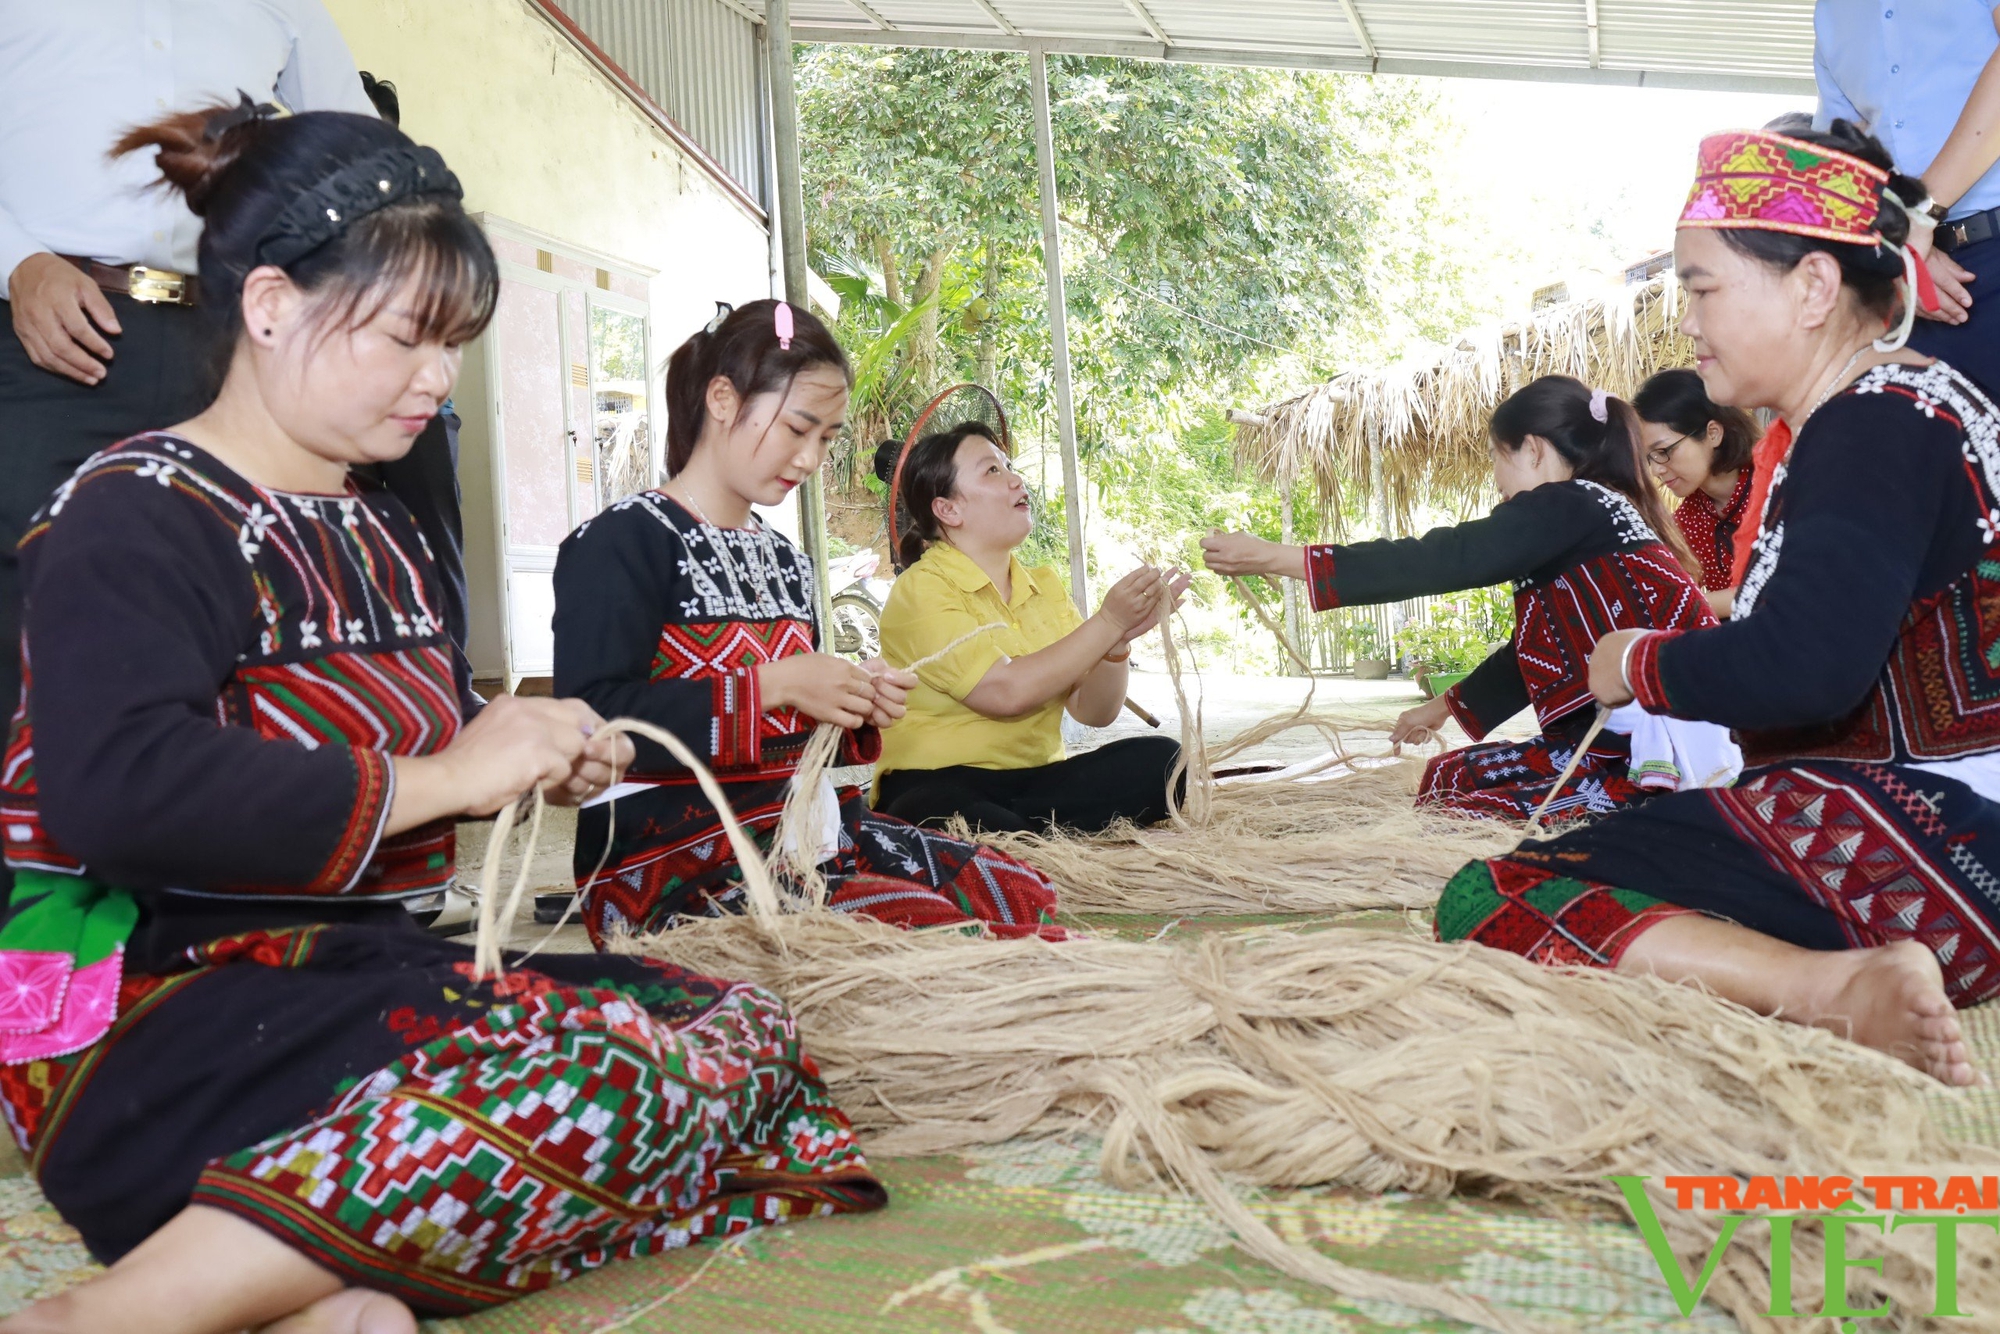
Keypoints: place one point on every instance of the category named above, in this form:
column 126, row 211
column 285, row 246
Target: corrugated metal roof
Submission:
column 697, row 59
column 1761, row 45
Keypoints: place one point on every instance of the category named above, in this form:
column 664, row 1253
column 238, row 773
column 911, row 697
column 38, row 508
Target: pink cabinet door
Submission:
column 533, row 431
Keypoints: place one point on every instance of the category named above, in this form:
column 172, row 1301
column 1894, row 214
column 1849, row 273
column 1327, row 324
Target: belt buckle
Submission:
column 156, row 286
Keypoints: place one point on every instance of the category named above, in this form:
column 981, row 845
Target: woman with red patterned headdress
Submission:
column 1589, row 548
column 1851, row 879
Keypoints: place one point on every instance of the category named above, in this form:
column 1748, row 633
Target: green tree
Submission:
column 1224, row 228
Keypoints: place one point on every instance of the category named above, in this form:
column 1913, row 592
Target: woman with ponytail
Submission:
column 681, row 607
column 1005, row 655
column 260, row 1092
column 1589, row 548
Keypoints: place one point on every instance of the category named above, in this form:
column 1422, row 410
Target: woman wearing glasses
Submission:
column 1700, row 451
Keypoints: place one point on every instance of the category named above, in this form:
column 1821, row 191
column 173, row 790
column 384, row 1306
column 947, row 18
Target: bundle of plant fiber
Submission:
column 1282, row 1059
column 1345, row 843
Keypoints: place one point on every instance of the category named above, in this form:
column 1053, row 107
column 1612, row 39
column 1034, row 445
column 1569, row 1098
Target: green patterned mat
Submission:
column 1025, row 1238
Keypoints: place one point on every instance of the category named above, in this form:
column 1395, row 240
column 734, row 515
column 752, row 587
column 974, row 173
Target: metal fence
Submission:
column 1324, row 633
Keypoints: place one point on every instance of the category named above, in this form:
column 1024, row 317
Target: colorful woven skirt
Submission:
column 1507, row 780
column 670, row 859
column 1823, row 855
column 355, row 1092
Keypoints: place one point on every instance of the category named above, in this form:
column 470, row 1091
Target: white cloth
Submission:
column 829, row 821
column 1673, row 754
column 79, row 73
column 1981, row 773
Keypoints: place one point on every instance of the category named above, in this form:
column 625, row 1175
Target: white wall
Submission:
column 538, row 135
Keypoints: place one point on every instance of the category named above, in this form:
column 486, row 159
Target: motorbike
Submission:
column 855, row 605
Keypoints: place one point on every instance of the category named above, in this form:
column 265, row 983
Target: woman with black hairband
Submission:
column 983, row 735
column 263, row 1095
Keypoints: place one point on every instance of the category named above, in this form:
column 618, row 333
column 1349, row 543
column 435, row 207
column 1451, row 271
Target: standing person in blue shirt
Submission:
column 1924, row 77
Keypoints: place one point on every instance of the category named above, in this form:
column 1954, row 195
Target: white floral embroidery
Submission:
column 751, row 573
column 309, row 634
column 1933, row 388
column 1632, row 525
column 163, row 473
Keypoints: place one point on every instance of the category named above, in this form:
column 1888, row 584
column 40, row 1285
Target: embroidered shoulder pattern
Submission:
column 329, row 574
column 1930, row 390
column 732, row 574
column 1633, row 530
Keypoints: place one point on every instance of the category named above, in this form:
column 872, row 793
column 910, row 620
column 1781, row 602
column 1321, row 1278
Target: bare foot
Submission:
column 349, row 1311
column 1892, row 998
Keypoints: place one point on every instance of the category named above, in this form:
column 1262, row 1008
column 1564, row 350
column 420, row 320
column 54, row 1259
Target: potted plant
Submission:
column 1458, row 637
column 1364, row 644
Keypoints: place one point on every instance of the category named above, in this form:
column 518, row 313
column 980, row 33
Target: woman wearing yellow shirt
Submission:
column 983, row 735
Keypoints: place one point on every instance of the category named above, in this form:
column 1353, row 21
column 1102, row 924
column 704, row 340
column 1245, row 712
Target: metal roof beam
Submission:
column 1799, row 85
column 869, row 13
column 1360, row 30
column 1006, row 24
column 1148, row 22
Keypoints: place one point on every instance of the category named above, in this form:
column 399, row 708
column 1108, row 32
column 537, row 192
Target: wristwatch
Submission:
column 1936, row 210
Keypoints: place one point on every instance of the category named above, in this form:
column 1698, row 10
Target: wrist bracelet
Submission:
column 1625, row 658
column 1118, row 657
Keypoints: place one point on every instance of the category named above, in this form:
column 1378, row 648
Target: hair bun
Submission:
column 193, row 155
column 886, row 455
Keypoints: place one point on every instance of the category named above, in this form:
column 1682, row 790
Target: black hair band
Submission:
column 351, row 194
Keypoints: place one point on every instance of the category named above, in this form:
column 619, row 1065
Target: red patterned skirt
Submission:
column 1507, row 780
column 670, row 859
column 353, row 1091
column 1824, row 855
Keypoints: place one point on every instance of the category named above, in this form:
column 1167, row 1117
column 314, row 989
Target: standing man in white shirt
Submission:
column 101, row 335
column 1923, row 76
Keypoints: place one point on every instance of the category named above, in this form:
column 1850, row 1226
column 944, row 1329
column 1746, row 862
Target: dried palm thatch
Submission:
column 1417, row 430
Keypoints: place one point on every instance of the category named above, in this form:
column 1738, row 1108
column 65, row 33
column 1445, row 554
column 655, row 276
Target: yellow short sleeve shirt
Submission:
column 941, row 597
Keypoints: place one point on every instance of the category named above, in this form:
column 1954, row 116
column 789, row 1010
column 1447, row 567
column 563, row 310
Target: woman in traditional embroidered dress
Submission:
column 260, row 1092
column 1849, row 879
column 1700, row 451
column 1589, row 548
column 679, row 606
column 983, row 739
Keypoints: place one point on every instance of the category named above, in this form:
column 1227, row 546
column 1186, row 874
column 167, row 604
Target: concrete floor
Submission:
column 1229, row 704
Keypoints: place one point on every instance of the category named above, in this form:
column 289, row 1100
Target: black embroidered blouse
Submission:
column 1583, row 563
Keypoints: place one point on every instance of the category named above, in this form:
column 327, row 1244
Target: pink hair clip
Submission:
column 1599, row 405
column 781, row 320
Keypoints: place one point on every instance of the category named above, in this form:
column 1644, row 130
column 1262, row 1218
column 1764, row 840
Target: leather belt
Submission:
column 1968, row 230
column 152, row 286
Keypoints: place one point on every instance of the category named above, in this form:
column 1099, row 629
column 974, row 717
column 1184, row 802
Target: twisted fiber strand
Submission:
column 799, row 823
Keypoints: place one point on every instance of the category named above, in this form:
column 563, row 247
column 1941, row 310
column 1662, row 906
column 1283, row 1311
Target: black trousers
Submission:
column 1974, row 346
column 49, row 424
column 1125, row 780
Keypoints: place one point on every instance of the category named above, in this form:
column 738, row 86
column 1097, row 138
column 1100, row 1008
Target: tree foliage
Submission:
column 1223, row 228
